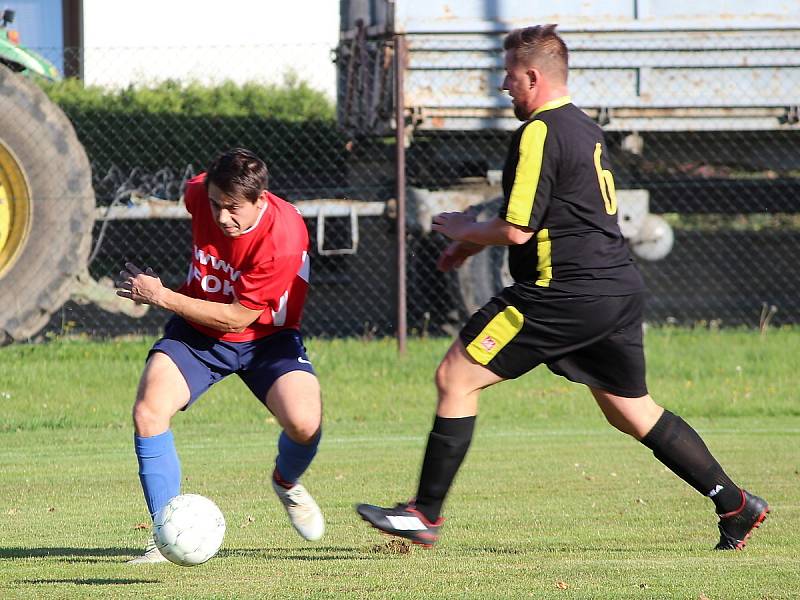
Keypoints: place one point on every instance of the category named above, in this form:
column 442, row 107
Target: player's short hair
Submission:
column 238, row 173
column 541, row 47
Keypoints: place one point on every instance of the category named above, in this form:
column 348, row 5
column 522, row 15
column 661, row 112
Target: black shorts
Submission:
column 594, row 340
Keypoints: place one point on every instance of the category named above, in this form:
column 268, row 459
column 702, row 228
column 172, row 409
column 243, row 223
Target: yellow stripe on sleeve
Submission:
column 526, row 178
column 496, row 335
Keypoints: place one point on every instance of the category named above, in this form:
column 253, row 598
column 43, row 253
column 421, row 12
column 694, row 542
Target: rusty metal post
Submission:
column 400, row 164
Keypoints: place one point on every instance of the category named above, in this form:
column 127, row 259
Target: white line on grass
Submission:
column 259, row 439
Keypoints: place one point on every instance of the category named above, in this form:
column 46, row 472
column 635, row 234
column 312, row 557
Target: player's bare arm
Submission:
column 462, row 227
column 145, row 287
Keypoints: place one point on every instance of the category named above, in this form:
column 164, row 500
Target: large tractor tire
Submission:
column 46, row 208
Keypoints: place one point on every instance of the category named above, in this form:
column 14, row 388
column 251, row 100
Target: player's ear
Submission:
column 533, row 78
column 262, row 199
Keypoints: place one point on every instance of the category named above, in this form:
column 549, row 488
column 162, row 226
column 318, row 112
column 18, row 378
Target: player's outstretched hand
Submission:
column 453, row 224
column 143, row 287
column 455, row 254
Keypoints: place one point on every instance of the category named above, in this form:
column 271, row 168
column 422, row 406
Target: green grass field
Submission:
column 550, row 503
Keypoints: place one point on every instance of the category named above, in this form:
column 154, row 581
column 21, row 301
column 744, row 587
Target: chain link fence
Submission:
column 143, row 150
column 706, row 162
column 702, row 128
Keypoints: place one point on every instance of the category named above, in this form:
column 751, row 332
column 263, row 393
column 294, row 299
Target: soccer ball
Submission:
column 189, row 529
column 654, row 239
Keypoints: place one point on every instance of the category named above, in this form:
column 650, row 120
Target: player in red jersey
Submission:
column 238, row 312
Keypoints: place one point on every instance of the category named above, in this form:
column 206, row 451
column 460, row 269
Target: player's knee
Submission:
column 303, row 432
column 442, row 379
column 148, row 418
column 450, row 381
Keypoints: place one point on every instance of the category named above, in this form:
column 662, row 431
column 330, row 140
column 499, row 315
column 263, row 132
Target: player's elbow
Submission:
column 518, row 235
column 239, row 318
column 234, row 328
column 226, row 326
column 237, row 325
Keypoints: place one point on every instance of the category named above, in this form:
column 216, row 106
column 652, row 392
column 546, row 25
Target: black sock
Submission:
column 677, row 445
column 448, row 443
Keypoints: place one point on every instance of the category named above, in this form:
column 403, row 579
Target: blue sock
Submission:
column 159, row 469
column 293, row 458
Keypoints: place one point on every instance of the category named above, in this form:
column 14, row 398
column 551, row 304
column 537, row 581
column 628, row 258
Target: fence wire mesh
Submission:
column 709, row 149
column 703, row 133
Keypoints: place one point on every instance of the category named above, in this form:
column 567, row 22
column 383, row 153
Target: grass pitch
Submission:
column 551, row 502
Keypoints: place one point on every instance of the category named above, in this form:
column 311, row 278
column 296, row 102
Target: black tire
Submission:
column 482, row 276
column 55, row 207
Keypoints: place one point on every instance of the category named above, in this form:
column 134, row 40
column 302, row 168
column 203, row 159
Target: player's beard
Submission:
column 521, row 113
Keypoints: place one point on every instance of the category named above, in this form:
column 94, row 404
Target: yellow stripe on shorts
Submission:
column 497, row 333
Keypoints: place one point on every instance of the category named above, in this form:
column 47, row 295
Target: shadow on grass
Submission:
column 86, row 581
column 318, row 553
column 66, row 552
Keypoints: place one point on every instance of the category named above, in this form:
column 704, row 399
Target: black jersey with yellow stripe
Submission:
column 557, row 182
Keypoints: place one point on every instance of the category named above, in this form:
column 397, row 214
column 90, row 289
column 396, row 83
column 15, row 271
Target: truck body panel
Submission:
column 645, row 65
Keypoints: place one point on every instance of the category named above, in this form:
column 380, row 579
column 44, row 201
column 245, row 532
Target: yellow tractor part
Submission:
column 16, row 209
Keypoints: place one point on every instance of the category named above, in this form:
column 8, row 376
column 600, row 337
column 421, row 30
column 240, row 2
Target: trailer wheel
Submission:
column 46, row 207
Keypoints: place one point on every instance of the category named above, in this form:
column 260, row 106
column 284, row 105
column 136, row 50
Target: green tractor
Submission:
column 46, row 196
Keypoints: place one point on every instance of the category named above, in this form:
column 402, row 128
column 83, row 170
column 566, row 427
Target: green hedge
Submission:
column 173, row 125
column 294, row 101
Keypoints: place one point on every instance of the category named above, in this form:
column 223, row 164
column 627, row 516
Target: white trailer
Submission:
column 635, row 65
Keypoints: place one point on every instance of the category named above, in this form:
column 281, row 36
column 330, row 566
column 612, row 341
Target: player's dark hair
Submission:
column 539, row 46
column 238, row 173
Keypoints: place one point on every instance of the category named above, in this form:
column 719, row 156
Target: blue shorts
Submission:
column 203, row 360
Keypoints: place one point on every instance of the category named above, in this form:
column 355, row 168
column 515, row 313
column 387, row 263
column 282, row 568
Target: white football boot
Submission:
column 151, row 555
column 305, row 515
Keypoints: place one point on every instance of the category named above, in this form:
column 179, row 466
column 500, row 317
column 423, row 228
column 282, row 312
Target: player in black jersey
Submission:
column 575, row 305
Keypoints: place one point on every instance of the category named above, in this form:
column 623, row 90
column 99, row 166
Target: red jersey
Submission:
column 265, row 268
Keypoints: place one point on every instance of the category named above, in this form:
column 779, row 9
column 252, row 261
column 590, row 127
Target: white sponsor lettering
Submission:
column 406, row 523
column 201, row 256
column 232, row 272
column 221, row 265
column 192, row 274
column 210, row 283
column 218, row 264
column 715, row 491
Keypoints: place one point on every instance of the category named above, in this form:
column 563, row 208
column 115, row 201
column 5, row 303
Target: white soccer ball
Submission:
column 189, row 529
column 654, row 239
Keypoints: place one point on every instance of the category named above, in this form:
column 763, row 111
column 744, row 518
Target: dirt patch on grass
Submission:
column 392, row 547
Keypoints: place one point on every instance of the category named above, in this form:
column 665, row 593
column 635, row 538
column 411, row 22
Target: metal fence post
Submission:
column 399, row 57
